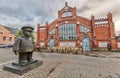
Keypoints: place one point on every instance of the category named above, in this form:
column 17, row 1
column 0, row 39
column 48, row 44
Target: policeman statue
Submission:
column 24, row 46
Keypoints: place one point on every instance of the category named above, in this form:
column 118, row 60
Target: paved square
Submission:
column 64, row 66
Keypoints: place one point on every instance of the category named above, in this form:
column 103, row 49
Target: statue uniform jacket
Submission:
column 23, row 45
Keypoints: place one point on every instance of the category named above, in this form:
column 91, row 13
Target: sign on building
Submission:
column 102, row 44
column 42, row 43
column 118, row 44
column 67, row 44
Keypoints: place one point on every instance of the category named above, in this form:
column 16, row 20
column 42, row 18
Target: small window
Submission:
column 66, row 14
column 4, row 38
column 10, row 38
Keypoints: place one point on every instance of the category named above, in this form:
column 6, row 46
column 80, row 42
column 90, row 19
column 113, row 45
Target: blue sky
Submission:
column 16, row 13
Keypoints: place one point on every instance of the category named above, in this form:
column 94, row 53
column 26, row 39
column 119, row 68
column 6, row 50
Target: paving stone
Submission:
column 40, row 72
column 65, row 66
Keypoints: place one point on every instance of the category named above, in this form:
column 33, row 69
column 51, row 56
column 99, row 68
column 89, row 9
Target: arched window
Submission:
column 52, row 31
column 67, row 31
column 66, row 14
column 84, row 29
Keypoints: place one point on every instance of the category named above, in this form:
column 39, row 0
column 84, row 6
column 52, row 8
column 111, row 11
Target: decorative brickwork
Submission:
column 99, row 32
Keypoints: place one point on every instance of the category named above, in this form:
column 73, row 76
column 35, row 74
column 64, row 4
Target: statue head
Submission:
column 27, row 31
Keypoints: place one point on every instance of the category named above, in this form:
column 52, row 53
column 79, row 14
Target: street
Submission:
column 64, row 66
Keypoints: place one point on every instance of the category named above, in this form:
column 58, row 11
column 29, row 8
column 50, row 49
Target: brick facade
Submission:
column 101, row 35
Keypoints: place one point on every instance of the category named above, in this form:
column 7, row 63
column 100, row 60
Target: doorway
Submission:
column 86, row 43
column 51, row 42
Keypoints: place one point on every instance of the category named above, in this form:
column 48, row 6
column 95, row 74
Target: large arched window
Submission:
column 67, row 31
column 66, row 14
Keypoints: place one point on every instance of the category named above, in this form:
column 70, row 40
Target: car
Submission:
column 3, row 46
column 10, row 45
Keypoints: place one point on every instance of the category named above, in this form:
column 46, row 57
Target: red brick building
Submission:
column 71, row 30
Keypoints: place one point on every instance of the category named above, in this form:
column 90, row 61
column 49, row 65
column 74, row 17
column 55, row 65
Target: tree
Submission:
column 20, row 33
column 32, row 37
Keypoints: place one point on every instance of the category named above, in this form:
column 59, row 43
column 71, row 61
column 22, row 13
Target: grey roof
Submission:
column 12, row 30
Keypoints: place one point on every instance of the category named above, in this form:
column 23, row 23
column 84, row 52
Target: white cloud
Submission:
column 16, row 13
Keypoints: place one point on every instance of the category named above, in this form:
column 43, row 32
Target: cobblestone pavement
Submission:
column 42, row 71
column 6, row 55
column 65, row 66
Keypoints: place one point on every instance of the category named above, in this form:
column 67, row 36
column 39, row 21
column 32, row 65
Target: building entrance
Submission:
column 86, row 43
column 51, row 42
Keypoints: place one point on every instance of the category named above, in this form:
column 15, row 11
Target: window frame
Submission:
column 4, row 38
column 10, row 38
column 67, row 32
column 67, row 14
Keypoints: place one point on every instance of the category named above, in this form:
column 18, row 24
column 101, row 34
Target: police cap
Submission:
column 27, row 28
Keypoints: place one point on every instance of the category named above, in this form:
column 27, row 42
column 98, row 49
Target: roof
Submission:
column 12, row 30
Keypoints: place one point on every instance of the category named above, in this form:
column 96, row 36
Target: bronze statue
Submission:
column 24, row 46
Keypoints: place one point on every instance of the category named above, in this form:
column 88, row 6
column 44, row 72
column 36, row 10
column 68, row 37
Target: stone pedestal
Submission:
column 16, row 68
